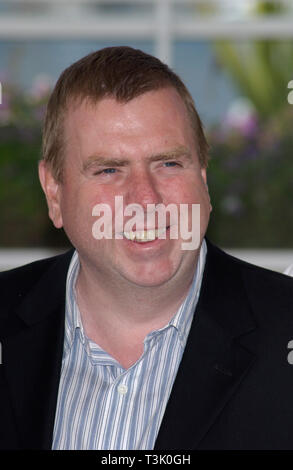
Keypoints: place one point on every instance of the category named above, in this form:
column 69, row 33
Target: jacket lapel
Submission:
column 33, row 357
column 215, row 359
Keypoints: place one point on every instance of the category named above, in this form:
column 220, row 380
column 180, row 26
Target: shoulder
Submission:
column 32, row 271
column 16, row 283
column 248, row 270
column 266, row 290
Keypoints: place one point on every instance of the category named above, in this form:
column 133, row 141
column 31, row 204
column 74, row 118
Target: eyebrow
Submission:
column 101, row 160
column 180, row 151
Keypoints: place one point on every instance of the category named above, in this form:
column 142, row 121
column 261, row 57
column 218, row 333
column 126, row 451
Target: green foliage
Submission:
column 251, row 174
column 260, row 70
column 23, row 211
column 251, row 184
column 265, row 7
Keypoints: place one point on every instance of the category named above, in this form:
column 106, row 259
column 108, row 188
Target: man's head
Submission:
column 121, row 73
column 120, row 123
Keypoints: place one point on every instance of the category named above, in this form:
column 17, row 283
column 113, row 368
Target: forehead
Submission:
column 154, row 117
column 158, row 103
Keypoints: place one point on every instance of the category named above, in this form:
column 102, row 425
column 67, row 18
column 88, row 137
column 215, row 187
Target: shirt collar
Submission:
column 181, row 321
column 72, row 313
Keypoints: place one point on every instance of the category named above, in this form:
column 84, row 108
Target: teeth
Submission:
column 144, row 235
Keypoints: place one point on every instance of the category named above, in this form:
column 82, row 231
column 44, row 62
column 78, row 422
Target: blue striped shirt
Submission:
column 100, row 404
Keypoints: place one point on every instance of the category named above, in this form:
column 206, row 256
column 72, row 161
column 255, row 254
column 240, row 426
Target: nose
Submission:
column 143, row 189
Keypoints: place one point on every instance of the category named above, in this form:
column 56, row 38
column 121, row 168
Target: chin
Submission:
column 150, row 282
column 154, row 278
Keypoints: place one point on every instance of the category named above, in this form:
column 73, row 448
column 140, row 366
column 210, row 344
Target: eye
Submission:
column 105, row 171
column 171, row 164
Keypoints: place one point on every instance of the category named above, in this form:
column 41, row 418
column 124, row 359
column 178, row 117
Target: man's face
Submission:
column 144, row 151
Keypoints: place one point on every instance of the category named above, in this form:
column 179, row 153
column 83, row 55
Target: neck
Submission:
column 136, row 305
column 119, row 323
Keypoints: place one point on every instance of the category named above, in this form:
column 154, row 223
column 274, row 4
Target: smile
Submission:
column 143, row 236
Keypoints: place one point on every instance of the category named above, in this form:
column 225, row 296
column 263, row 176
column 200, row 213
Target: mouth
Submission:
column 145, row 236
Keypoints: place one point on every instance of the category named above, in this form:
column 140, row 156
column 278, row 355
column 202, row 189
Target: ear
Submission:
column 204, row 177
column 52, row 190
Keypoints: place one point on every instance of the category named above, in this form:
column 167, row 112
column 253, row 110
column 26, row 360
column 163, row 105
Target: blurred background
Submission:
column 236, row 58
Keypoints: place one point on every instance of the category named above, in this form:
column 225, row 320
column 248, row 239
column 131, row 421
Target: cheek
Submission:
column 193, row 191
column 199, row 195
column 205, row 209
column 76, row 210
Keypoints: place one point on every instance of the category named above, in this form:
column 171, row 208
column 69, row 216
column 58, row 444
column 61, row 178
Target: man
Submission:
column 130, row 341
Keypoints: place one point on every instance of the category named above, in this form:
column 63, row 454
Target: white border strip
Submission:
column 277, row 260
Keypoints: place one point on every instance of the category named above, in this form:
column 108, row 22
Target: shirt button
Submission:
column 122, row 389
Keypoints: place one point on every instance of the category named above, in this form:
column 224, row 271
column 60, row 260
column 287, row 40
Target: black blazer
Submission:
column 234, row 387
